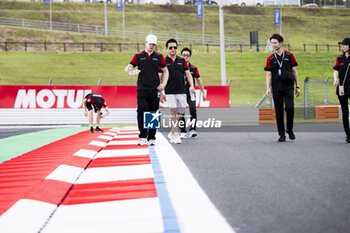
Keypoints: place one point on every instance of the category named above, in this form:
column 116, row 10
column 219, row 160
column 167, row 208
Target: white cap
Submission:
column 151, row 39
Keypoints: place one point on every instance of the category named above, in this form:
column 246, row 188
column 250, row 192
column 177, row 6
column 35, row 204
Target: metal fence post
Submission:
column 22, row 23
column 305, row 98
column 120, row 47
column 328, row 47
column 25, row 46
column 207, row 48
column 64, row 47
column 316, row 47
column 326, row 91
column 101, row 47
column 83, row 47
column 304, row 48
column 45, row 46
column 241, row 48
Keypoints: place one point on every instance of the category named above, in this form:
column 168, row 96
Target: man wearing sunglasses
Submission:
column 176, row 90
column 187, row 53
column 148, row 85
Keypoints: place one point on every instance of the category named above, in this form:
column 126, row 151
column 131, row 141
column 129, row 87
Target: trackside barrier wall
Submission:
column 327, row 112
column 28, row 105
column 267, row 114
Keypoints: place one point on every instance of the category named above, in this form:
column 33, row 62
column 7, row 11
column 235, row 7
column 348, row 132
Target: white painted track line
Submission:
column 196, row 213
column 123, row 142
column 105, row 174
column 65, row 173
column 97, row 143
column 126, row 216
column 121, row 153
column 85, row 153
column 26, row 216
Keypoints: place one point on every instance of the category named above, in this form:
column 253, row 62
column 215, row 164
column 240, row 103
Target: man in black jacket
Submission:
column 148, row 85
column 341, row 70
column 281, row 75
column 95, row 101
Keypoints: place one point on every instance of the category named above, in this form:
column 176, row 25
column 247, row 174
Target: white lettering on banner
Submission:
column 199, row 100
column 24, row 99
column 78, row 100
column 61, row 94
column 47, row 98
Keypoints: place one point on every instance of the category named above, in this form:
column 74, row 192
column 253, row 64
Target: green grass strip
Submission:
column 14, row 146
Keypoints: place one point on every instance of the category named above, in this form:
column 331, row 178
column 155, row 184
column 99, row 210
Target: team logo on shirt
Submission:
column 151, row 120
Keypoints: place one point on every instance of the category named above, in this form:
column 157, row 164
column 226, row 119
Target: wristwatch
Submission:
column 298, row 87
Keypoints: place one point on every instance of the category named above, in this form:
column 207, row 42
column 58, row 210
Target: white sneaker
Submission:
column 183, row 135
column 193, row 133
column 142, row 141
column 152, row 142
column 177, row 140
column 172, row 137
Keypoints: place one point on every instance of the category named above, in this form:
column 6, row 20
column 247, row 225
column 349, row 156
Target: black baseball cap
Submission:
column 346, row 41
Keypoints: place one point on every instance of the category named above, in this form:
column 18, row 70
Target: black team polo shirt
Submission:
column 195, row 74
column 273, row 66
column 149, row 65
column 176, row 82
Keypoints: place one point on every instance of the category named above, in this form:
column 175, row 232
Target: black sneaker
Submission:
column 282, row 139
column 91, row 129
column 291, row 134
column 347, row 139
column 98, row 129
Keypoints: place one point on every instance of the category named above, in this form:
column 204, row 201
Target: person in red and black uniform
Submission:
column 281, row 76
column 148, row 85
column 187, row 53
column 175, row 90
column 96, row 101
column 342, row 70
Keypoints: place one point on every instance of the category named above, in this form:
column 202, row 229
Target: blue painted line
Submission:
column 169, row 217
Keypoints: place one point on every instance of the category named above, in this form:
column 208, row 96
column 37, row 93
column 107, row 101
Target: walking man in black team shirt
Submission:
column 187, row 53
column 148, row 85
column 281, row 75
column 175, row 90
column 96, row 101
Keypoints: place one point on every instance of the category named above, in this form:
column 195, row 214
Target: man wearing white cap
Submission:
column 149, row 85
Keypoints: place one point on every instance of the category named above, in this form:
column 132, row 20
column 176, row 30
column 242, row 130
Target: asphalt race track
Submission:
column 261, row 185
column 12, row 131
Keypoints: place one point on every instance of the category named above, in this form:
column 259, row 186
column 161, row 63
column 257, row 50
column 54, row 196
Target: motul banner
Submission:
column 71, row 97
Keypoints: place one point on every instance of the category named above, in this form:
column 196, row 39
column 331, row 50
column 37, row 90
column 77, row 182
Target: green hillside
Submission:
column 300, row 25
column 76, row 68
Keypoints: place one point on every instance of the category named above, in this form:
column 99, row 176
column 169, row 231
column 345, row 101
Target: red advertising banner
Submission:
column 71, row 97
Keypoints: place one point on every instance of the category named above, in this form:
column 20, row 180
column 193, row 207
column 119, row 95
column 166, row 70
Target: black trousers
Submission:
column 147, row 100
column 286, row 98
column 344, row 103
column 193, row 113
